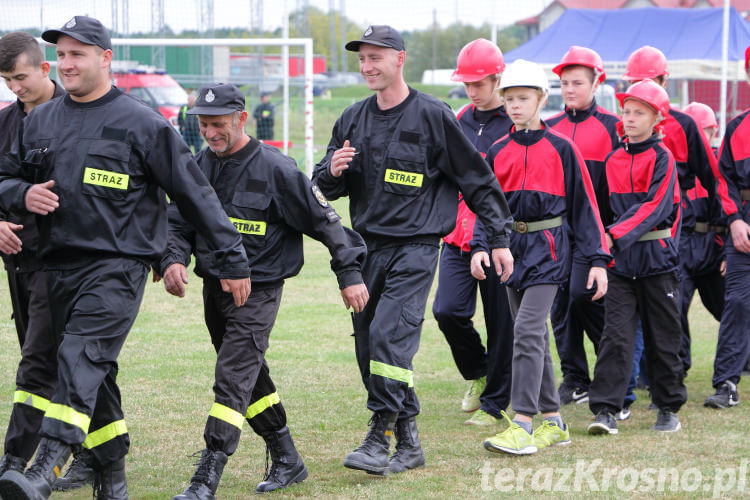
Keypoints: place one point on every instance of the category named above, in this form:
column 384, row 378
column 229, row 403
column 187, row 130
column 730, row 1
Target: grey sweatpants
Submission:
column 533, row 382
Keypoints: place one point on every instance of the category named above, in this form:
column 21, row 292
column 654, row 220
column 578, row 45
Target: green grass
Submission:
column 166, row 373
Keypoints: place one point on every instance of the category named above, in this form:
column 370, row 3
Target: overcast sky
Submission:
column 184, row 14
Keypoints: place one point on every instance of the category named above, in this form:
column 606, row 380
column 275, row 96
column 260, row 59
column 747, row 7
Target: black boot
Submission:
column 408, row 453
column 372, row 455
column 206, row 479
column 287, row 466
column 36, row 482
column 79, row 473
column 109, row 482
column 10, row 462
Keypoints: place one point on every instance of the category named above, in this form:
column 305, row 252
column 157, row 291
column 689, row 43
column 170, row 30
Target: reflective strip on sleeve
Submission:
column 227, row 414
column 106, row 433
column 26, row 398
column 393, row 372
column 69, row 416
column 262, row 404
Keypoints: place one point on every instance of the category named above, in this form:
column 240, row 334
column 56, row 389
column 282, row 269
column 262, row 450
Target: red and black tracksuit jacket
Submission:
column 543, row 176
column 643, row 196
column 594, row 131
column 481, row 135
column 734, row 166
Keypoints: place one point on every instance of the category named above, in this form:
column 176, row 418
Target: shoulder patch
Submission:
column 319, row 196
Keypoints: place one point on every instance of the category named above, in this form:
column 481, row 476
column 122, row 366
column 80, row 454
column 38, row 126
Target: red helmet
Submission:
column 650, row 93
column 477, row 60
column 646, row 62
column 581, row 56
column 703, row 115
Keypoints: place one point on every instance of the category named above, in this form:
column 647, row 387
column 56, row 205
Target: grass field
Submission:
column 166, row 373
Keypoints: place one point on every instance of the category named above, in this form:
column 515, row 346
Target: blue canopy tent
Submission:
column 692, row 36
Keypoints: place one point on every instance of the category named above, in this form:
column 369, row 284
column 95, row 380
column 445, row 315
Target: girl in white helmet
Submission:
column 550, row 194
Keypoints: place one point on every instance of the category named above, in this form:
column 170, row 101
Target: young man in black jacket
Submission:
column 95, row 166
column 401, row 157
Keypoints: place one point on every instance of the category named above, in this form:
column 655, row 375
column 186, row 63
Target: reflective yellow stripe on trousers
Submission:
column 69, row 416
column 29, row 399
column 106, row 433
column 262, row 404
column 392, row 372
column 227, row 414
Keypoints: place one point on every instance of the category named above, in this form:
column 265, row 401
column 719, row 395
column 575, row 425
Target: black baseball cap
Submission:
column 381, row 35
column 218, row 99
column 84, row 29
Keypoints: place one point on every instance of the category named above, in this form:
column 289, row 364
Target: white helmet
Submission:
column 523, row 73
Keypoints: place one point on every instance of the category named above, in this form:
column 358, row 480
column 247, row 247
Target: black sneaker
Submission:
column 604, row 423
column 667, row 421
column 570, row 393
column 725, row 396
column 623, row 414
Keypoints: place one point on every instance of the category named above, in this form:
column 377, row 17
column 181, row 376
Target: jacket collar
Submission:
column 579, row 115
column 527, row 137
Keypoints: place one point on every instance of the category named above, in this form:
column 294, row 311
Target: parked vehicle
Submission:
column 157, row 89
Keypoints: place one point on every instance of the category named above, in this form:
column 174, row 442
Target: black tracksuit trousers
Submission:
column 243, row 389
column 36, row 377
column 655, row 300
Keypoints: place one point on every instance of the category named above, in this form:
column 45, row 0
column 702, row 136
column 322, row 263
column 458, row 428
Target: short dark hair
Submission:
column 16, row 43
column 588, row 69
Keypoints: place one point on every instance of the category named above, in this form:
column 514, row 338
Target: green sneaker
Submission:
column 482, row 418
column 471, row 402
column 549, row 434
column 514, row 440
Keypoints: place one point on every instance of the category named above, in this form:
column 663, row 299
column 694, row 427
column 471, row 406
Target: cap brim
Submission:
column 211, row 111
column 354, row 45
column 52, row 36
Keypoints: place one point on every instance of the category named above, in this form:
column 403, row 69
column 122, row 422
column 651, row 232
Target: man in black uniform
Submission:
column 271, row 203
column 401, row 157
column 26, row 73
column 263, row 114
column 95, row 165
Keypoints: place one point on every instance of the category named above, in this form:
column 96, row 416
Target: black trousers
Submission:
column 710, row 287
column 656, row 301
column 243, row 389
column 387, row 331
column 733, row 345
column 36, row 377
column 573, row 312
column 453, row 308
column 93, row 308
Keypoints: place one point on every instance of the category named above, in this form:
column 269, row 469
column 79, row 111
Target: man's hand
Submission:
column 479, row 261
column 341, row 158
column 175, row 279
column 240, row 289
column 40, row 200
column 355, row 296
column 9, row 243
column 597, row 275
column 740, row 235
column 503, row 260
column 723, row 268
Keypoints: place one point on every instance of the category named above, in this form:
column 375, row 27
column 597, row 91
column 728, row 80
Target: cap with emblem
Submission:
column 381, row 35
column 84, row 29
column 218, row 99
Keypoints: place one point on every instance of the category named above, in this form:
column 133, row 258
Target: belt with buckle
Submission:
column 660, row 234
column 539, row 225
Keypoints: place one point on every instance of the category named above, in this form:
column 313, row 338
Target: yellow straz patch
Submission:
column 255, row 227
column 105, row 178
column 405, row 178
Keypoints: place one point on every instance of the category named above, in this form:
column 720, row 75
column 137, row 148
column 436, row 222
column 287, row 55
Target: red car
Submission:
column 157, row 89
